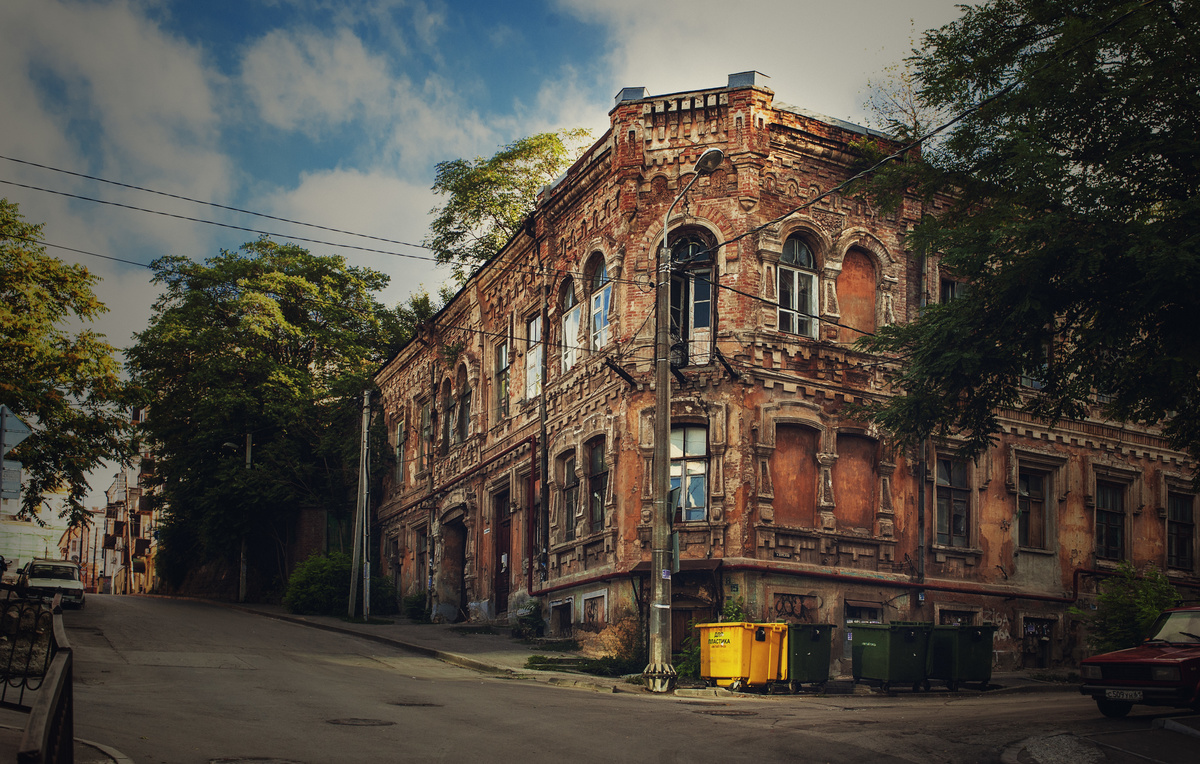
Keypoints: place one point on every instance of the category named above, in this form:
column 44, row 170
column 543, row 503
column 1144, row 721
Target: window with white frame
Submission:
column 600, row 296
column 953, row 503
column 1110, row 520
column 689, row 472
column 533, row 356
column 572, row 312
column 797, row 288
column 691, row 300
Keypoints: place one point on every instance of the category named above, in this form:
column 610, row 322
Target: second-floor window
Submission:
column 691, row 301
column 570, row 497
column 572, row 312
column 501, row 380
column 462, row 429
column 401, row 441
column 1031, row 506
column 1110, row 521
column 600, row 296
column 597, row 483
column 1181, row 530
column 797, row 289
column 533, row 357
column 425, row 447
column 953, row 503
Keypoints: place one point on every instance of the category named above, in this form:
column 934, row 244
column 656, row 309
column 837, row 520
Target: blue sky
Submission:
column 337, row 112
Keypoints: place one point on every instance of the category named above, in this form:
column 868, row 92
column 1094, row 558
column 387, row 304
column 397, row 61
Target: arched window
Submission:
column 600, row 298
column 569, row 482
column 797, row 288
column 447, row 414
column 571, row 312
column 597, row 482
column 462, row 428
column 691, row 299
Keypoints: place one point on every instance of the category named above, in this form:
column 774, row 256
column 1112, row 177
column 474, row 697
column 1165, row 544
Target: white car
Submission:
column 45, row 578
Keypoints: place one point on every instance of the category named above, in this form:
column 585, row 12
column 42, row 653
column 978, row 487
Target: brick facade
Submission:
column 794, row 506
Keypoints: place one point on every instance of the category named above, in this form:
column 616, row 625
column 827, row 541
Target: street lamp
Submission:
column 659, row 673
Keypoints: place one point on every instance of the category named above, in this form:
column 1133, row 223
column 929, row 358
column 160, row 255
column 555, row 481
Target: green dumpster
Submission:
column 891, row 653
column 807, row 651
column 959, row 654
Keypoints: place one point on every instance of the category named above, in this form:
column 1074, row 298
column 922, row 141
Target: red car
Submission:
column 1162, row 671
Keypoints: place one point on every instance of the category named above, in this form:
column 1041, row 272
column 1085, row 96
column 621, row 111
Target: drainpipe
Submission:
column 922, row 488
column 544, row 464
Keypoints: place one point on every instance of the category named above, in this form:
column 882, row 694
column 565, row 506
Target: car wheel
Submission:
column 1113, row 709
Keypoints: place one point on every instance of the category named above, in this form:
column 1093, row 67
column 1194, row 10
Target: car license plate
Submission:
column 1134, row 695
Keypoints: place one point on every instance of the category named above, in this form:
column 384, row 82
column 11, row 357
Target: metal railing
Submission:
column 36, row 665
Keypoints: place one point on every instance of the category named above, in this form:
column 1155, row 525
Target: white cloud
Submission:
column 309, row 81
column 367, row 201
column 818, row 54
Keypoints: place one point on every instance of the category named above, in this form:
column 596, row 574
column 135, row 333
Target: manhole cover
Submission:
column 728, row 712
column 361, row 722
column 414, row 704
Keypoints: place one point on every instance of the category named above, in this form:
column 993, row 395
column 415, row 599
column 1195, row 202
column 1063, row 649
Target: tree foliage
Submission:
column 487, row 200
column 1066, row 198
column 64, row 384
column 273, row 342
column 1127, row 607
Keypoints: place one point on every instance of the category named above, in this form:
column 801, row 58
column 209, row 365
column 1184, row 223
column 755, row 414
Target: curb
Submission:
column 1174, row 726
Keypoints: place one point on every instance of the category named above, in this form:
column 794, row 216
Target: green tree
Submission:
column 487, row 200
column 1066, row 198
column 271, row 342
column 65, row 384
column 1127, row 607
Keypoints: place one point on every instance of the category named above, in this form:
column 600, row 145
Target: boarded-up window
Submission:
column 794, row 475
column 854, row 481
column 856, row 296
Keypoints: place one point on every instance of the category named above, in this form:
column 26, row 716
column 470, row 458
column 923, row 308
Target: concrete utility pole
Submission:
column 659, row 673
column 362, row 528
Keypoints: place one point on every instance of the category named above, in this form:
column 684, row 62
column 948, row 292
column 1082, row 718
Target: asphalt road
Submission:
column 190, row 683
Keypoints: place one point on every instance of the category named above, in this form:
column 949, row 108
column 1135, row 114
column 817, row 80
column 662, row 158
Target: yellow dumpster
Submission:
column 740, row 655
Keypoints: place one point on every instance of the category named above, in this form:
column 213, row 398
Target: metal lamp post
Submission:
column 659, row 673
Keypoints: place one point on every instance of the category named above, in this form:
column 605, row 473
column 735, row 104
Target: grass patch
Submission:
column 607, row 666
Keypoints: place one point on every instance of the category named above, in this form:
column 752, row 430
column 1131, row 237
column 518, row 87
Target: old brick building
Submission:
column 787, row 502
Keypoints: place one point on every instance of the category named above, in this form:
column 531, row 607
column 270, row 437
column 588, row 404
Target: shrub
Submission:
column 1127, row 607
column 321, row 586
column 414, row 607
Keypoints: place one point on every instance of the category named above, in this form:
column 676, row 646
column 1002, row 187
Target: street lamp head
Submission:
column 709, row 161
